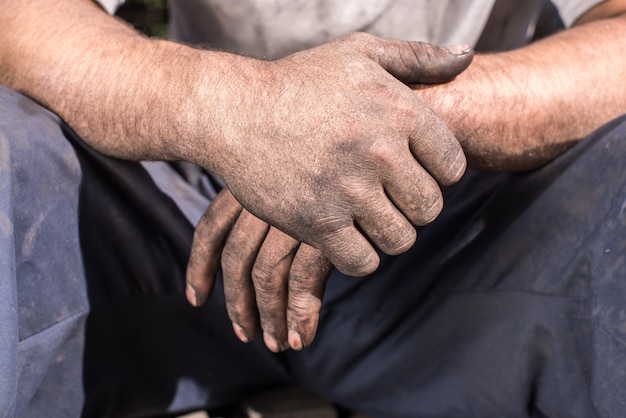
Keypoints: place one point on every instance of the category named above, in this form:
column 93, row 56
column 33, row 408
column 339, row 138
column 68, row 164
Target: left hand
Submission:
column 271, row 281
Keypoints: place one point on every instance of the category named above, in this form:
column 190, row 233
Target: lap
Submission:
column 43, row 293
column 509, row 303
column 509, row 299
column 93, row 318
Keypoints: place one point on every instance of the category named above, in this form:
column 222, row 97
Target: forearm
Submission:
column 125, row 94
column 519, row 109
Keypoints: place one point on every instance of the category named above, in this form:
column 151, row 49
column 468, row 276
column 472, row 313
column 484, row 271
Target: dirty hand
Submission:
column 335, row 151
column 271, row 281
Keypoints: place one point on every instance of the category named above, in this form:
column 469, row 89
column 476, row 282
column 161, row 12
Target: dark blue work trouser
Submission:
column 511, row 304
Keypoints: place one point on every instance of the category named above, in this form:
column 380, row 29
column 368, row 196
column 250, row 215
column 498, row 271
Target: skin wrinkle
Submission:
column 226, row 129
column 247, row 236
column 418, row 59
column 272, row 256
column 427, row 190
column 303, row 316
column 269, row 291
column 497, row 142
column 395, row 226
column 420, row 203
column 209, row 239
column 496, row 81
column 306, row 289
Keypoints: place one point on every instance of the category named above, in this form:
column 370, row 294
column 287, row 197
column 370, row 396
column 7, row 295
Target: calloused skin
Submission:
column 510, row 111
column 322, row 143
column 270, row 273
column 329, row 144
column 272, row 282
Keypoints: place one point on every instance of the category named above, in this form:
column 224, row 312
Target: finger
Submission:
column 436, row 147
column 347, row 249
column 208, row 240
column 412, row 190
column 269, row 275
column 240, row 251
column 307, row 279
column 384, row 224
column 414, row 62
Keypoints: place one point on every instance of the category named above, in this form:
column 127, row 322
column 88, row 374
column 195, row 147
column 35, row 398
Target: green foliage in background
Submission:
column 148, row 16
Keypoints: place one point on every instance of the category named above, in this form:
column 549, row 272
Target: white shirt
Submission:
column 274, row 28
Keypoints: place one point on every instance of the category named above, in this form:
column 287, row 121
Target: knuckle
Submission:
column 349, row 253
column 404, row 106
column 303, row 282
column 404, row 239
column 425, row 208
column 357, row 265
column 369, row 141
column 395, row 237
column 381, row 153
column 309, row 262
column 333, row 225
column 301, row 307
column 231, row 264
column 299, row 277
column 433, row 196
column 431, row 192
column 264, row 280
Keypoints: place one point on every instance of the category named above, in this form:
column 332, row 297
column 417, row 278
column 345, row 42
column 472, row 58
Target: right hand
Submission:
column 334, row 150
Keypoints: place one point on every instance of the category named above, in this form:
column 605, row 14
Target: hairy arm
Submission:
column 517, row 110
column 511, row 111
column 326, row 144
column 126, row 95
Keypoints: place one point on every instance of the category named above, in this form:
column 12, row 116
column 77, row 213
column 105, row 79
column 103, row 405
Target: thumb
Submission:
column 415, row 62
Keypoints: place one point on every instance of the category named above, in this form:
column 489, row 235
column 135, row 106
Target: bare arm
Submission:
column 120, row 91
column 517, row 110
column 512, row 111
column 322, row 144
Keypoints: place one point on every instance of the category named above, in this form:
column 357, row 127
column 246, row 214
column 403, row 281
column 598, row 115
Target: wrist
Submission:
column 221, row 110
column 487, row 112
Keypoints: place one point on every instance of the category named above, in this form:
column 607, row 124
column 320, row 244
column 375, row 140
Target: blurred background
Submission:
column 148, row 16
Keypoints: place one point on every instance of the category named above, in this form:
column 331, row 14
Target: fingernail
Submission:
column 295, row 340
column 272, row 344
column 191, row 294
column 240, row 333
column 460, row 49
